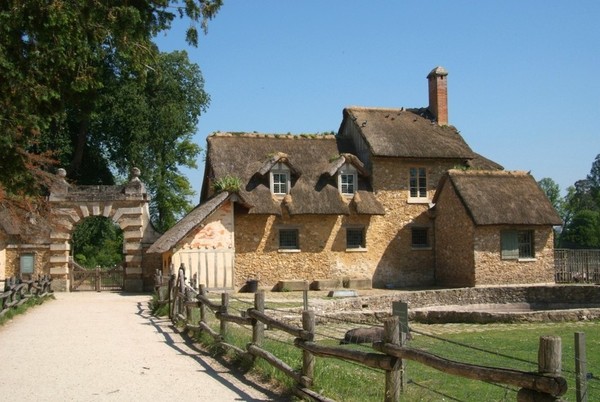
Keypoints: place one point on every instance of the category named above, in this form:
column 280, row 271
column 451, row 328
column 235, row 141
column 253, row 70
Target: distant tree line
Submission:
column 579, row 210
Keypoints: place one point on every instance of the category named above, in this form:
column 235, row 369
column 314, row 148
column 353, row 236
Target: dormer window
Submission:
column 347, row 179
column 280, row 179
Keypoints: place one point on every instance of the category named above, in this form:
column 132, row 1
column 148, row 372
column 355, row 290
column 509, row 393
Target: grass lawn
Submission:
column 513, row 346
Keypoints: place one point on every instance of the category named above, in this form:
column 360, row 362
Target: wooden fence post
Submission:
column 258, row 328
column 580, row 367
column 223, row 310
column 170, row 287
column 393, row 378
column 202, row 305
column 308, row 359
column 549, row 363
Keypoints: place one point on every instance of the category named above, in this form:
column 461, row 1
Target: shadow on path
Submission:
column 166, row 329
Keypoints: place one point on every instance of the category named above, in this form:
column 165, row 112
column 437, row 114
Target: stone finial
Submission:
column 135, row 185
column 62, row 173
column 136, row 173
column 59, row 186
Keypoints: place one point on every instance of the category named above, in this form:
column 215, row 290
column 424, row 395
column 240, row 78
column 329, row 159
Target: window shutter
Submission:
column 510, row 245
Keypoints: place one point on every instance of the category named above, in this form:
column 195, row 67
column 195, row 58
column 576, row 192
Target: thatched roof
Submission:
column 501, row 197
column 188, row 223
column 482, row 163
column 313, row 190
column 406, row 133
column 24, row 226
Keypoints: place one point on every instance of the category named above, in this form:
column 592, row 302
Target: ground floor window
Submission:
column 355, row 238
column 517, row 244
column 420, row 237
column 288, row 239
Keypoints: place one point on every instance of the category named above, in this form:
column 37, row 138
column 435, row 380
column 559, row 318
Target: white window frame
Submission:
column 417, row 174
column 279, row 171
column 347, row 172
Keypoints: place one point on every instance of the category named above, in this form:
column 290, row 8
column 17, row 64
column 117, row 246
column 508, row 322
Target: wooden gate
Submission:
column 96, row 279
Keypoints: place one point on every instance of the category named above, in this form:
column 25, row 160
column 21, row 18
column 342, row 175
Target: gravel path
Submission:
column 106, row 347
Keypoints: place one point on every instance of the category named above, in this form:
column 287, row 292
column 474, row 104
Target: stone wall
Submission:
column 398, row 263
column 389, row 259
column 491, row 269
column 550, row 294
column 454, row 235
column 322, row 254
column 40, row 259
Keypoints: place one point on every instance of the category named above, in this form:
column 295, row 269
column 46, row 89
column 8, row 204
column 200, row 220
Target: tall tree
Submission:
column 55, row 56
column 151, row 126
column 552, row 190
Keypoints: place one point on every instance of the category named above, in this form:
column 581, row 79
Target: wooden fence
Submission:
column 573, row 266
column 547, row 384
column 18, row 291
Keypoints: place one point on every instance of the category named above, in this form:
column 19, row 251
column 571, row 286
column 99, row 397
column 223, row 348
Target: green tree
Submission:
column 97, row 241
column 552, row 191
column 151, row 126
column 583, row 231
column 594, row 179
column 55, row 57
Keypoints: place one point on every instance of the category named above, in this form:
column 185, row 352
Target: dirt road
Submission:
column 106, row 347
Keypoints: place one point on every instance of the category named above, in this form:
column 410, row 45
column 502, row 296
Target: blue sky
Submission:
column 523, row 83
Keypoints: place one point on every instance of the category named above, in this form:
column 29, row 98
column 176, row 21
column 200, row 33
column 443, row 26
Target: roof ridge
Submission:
column 383, row 109
column 315, row 136
column 485, row 172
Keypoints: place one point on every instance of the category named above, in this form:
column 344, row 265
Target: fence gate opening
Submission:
column 96, row 279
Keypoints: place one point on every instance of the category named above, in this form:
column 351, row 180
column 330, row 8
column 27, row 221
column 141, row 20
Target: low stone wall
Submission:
column 422, row 304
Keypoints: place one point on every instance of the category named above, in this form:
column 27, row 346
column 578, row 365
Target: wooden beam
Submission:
column 554, row 385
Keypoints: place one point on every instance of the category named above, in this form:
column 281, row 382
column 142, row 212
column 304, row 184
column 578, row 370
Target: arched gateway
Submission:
column 126, row 205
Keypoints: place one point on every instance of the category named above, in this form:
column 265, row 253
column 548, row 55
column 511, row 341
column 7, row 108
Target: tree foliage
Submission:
column 60, row 61
column 150, row 126
column 579, row 209
column 97, row 241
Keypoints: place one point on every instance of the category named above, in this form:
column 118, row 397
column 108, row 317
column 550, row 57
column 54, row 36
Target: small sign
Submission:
column 400, row 309
column 27, row 264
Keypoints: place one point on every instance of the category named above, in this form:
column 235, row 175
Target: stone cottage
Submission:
column 487, row 233
column 357, row 204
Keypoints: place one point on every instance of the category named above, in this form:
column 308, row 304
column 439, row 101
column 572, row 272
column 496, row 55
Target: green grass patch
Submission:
column 513, row 346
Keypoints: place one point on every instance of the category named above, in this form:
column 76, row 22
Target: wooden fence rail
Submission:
column 547, row 384
column 17, row 291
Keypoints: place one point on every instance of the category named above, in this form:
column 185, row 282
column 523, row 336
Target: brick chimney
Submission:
column 438, row 95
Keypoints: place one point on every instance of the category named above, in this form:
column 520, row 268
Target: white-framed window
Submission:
column 288, row 239
column 420, row 237
column 280, row 179
column 417, row 183
column 347, row 179
column 355, row 238
column 517, row 244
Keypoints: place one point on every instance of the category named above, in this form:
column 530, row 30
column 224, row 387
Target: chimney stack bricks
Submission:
column 438, row 95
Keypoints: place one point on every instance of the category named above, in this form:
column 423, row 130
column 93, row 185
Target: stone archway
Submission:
column 126, row 205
